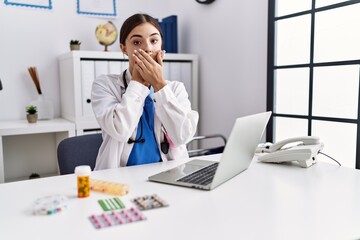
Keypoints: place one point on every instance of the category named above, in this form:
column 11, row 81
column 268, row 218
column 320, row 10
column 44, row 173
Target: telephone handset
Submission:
column 303, row 150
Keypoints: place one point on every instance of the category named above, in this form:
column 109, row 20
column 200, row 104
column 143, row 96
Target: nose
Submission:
column 147, row 48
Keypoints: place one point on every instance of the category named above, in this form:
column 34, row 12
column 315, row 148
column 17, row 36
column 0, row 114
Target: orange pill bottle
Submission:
column 83, row 173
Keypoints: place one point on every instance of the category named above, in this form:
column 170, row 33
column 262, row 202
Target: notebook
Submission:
column 238, row 153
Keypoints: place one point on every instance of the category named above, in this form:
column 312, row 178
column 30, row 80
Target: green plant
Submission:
column 34, row 175
column 75, row 42
column 31, row 109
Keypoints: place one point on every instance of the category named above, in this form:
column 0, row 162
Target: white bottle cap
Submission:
column 83, row 170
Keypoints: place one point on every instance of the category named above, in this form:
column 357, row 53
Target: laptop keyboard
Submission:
column 203, row 176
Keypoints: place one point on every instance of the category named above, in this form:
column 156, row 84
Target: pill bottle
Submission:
column 83, row 180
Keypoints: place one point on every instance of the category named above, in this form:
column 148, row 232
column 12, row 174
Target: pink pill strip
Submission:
column 116, row 218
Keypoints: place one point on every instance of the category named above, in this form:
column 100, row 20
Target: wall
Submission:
column 230, row 37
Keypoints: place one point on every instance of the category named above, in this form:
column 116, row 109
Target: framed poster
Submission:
column 47, row 4
column 97, row 7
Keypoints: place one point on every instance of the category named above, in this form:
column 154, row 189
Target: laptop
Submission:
column 238, row 153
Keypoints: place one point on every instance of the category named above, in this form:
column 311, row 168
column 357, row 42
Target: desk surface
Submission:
column 267, row 201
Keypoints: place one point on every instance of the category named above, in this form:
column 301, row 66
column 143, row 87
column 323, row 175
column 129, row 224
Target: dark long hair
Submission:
column 134, row 21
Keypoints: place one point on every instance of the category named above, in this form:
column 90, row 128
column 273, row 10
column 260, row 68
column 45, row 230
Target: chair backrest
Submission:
column 78, row 150
column 206, row 151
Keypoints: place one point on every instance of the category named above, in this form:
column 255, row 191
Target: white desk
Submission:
column 265, row 202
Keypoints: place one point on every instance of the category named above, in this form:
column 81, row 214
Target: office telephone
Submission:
column 303, row 150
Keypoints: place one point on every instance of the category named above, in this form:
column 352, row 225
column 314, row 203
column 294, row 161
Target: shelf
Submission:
column 15, row 147
column 27, row 177
column 21, row 127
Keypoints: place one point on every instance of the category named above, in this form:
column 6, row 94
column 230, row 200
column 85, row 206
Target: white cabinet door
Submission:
column 87, row 78
column 114, row 67
column 181, row 71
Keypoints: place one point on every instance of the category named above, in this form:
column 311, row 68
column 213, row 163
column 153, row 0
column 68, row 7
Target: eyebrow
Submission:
column 140, row 36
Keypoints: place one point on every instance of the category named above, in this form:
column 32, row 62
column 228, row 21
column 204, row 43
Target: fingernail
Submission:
column 164, row 51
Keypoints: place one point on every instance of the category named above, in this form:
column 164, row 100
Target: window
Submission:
column 314, row 74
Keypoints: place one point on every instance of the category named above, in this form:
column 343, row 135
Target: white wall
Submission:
column 230, row 37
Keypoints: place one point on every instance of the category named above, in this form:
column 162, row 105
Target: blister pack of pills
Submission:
column 111, row 204
column 149, row 202
column 116, row 218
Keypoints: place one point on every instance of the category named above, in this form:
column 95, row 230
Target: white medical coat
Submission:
column 118, row 113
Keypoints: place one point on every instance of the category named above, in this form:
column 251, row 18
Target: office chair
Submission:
column 78, row 150
column 206, row 151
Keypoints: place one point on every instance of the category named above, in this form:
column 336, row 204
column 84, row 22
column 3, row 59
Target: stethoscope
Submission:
column 163, row 145
column 139, row 139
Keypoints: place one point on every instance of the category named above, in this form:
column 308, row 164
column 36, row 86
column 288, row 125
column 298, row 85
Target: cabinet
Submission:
column 78, row 69
column 27, row 148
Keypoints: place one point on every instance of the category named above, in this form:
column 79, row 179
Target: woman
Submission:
column 144, row 118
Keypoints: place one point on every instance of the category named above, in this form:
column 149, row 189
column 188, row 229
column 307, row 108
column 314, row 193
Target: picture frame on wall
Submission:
column 44, row 4
column 104, row 8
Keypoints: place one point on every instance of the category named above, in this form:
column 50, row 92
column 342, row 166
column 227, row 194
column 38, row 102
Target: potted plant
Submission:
column 32, row 115
column 75, row 45
column 34, row 175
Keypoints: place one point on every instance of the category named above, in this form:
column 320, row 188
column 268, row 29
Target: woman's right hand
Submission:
column 135, row 75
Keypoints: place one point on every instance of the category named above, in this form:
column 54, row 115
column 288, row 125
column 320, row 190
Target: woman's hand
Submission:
column 135, row 75
column 149, row 69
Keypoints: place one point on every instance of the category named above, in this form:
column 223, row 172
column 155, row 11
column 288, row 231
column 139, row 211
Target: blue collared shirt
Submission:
column 148, row 151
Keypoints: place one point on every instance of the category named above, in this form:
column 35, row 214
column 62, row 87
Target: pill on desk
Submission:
column 96, row 221
column 104, row 216
column 120, row 220
column 126, row 214
column 139, row 215
column 107, row 219
column 115, row 214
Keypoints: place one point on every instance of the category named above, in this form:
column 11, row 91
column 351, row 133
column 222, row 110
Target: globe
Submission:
column 106, row 34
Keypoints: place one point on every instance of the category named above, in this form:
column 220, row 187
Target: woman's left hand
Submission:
column 150, row 70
